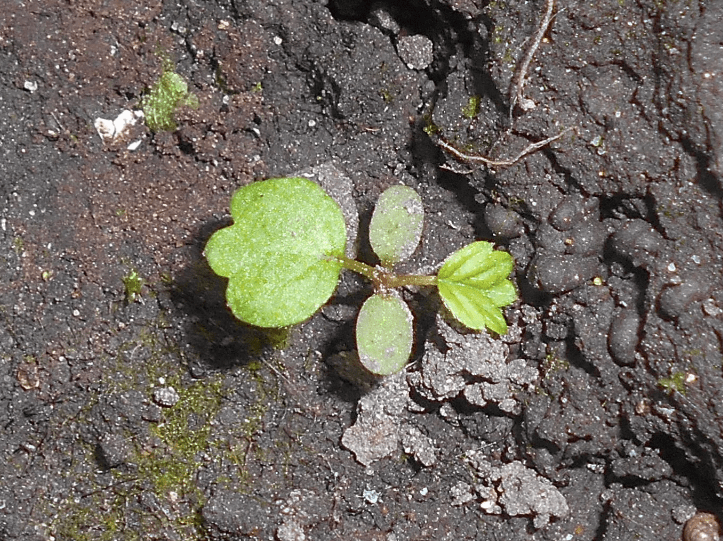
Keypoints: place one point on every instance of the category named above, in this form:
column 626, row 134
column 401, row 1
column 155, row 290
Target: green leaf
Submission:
column 278, row 253
column 384, row 334
column 473, row 285
column 396, row 225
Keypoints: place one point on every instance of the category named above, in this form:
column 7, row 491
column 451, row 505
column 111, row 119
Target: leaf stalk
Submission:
column 384, row 278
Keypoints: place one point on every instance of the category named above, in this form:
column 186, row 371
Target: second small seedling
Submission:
column 286, row 249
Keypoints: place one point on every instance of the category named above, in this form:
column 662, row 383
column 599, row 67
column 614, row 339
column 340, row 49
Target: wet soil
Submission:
column 135, row 407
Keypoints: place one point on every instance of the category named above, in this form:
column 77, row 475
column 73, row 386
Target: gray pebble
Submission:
column 417, row 51
column 382, row 19
column 623, row 338
column 637, row 242
column 517, row 489
column 420, row 446
column 561, row 273
column 502, row 222
column 113, row 450
column 674, row 300
column 165, row 396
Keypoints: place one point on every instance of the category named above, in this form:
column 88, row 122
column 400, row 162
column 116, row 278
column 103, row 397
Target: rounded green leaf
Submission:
column 396, row 224
column 384, row 334
column 473, row 285
column 278, row 254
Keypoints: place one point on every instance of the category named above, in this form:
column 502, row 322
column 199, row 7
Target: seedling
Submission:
column 286, row 249
column 167, row 94
column 133, row 285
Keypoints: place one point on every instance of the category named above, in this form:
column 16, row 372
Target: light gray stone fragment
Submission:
column 301, row 508
column 419, row 445
column 375, row 435
column 380, row 17
column 521, row 491
column 462, row 493
column 474, row 365
column 165, row 396
column 417, row 51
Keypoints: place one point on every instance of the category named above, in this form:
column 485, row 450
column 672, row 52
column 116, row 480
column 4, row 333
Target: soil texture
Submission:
column 134, row 406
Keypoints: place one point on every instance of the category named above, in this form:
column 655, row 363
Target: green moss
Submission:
column 165, row 458
column 168, row 94
column 471, row 110
column 184, row 430
column 430, row 127
column 553, row 364
column 676, row 382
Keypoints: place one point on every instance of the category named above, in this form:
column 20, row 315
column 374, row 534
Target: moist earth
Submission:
column 135, row 407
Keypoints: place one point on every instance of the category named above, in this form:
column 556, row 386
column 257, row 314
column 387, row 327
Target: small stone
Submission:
column 417, row 51
column 522, row 491
column 461, row 494
column 112, row 450
column 561, row 273
column 383, row 20
column 165, row 396
column 420, row 446
column 152, row 414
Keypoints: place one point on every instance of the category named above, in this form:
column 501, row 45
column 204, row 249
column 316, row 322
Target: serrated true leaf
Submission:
column 396, row 225
column 276, row 254
column 473, row 285
column 384, row 334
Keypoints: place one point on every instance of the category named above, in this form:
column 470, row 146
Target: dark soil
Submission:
column 155, row 415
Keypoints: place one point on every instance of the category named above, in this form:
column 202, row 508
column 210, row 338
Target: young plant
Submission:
column 166, row 95
column 286, row 248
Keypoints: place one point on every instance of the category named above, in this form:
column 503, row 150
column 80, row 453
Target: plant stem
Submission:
column 385, row 278
column 401, row 280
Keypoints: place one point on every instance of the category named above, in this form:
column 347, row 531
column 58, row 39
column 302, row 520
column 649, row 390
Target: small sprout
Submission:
column 168, row 94
column 431, row 129
column 47, row 275
column 133, row 284
column 285, row 250
column 396, row 225
column 18, row 245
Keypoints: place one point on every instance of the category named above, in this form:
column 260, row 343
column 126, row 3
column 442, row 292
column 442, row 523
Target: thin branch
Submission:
column 476, row 159
column 517, row 84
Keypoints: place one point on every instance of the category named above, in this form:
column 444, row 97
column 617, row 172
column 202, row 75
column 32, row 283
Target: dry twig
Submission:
column 481, row 160
column 517, row 97
column 517, row 84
